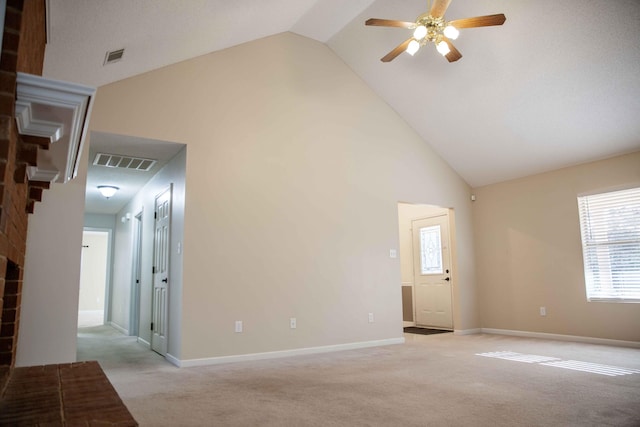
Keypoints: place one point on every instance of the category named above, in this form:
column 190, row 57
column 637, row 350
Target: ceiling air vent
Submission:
column 124, row 162
column 113, row 56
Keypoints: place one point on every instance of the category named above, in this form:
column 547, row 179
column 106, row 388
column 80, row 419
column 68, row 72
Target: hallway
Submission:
column 115, row 351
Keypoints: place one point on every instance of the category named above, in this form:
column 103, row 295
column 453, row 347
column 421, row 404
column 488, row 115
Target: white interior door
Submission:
column 431, row 269
column 160, row 303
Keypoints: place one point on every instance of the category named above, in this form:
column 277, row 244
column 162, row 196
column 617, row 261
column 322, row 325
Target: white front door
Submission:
column 160, row 304
column 432, row 272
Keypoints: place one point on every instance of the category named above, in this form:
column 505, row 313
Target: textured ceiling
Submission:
column 156, row 33
column 558, row 84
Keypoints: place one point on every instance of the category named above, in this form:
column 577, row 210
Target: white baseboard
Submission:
column 467, row 331
column 119, row 328
column 408, row 324
column 145, row 342
column 559, row 337
column 173, row 360
column 278, row 354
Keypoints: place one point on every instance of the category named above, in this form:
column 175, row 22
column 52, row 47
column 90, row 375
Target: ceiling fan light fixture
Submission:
column 420, row 32
column 107, row 190
column 413, row 47
column 451, row 32
column 443, row 48
column 431, row 27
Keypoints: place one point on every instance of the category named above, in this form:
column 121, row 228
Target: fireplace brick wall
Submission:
column 23, row 46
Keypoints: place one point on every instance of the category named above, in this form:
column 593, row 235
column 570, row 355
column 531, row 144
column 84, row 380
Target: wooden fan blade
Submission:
column 439, row 7
column 454, row 54
column 479, row 21
column 390, row 23
column 397, row 51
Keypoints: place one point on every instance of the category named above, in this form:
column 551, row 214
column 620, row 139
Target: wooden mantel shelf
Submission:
column 65, row 395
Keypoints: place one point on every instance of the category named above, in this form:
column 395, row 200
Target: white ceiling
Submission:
column 557, row 85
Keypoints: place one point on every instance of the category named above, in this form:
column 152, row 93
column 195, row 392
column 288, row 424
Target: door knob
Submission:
column 166, row 279
column 447, row 279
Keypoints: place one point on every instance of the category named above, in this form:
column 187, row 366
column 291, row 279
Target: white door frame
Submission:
column 136, row 275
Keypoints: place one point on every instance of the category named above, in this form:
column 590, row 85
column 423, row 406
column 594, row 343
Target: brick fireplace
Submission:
column 23, row 46
column 34, row 395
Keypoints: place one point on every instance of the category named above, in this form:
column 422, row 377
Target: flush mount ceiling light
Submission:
column 107, row 190
column 431, row 27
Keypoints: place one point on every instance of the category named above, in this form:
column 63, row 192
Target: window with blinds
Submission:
column 610, row 227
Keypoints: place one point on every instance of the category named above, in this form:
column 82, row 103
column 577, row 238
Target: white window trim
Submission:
column 602, row 215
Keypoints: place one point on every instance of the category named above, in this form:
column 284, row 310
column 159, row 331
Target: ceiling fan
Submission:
column 431, row 27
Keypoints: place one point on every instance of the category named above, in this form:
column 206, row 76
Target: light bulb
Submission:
column 413, row 47
column 451, row 32
column 443, row 48
column 420, row 32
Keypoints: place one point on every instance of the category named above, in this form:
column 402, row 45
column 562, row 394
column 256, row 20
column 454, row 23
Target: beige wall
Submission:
column 529, row 253
column 294, row 171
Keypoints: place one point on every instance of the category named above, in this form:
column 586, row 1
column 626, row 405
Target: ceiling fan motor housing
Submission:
column 434, row 26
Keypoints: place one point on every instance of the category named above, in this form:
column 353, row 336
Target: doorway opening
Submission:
column 427, row 264
column 93, row 301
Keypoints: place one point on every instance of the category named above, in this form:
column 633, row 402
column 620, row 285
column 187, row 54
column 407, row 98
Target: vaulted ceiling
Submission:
column 557, row 85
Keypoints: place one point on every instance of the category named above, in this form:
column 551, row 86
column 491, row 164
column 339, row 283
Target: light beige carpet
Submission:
column 433, row 380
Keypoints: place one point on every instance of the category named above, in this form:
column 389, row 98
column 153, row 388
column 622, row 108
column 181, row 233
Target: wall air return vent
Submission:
column 113, row 56
column 124, row 162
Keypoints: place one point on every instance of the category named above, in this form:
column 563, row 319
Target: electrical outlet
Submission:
column 292, row 323
column 371, row 318
column 393, row 253
column 543, row 311
column 238, row 325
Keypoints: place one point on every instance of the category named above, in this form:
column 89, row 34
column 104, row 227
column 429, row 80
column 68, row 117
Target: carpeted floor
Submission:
column 431, row 380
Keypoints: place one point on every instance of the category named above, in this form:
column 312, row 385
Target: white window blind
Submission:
column 610, row 226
